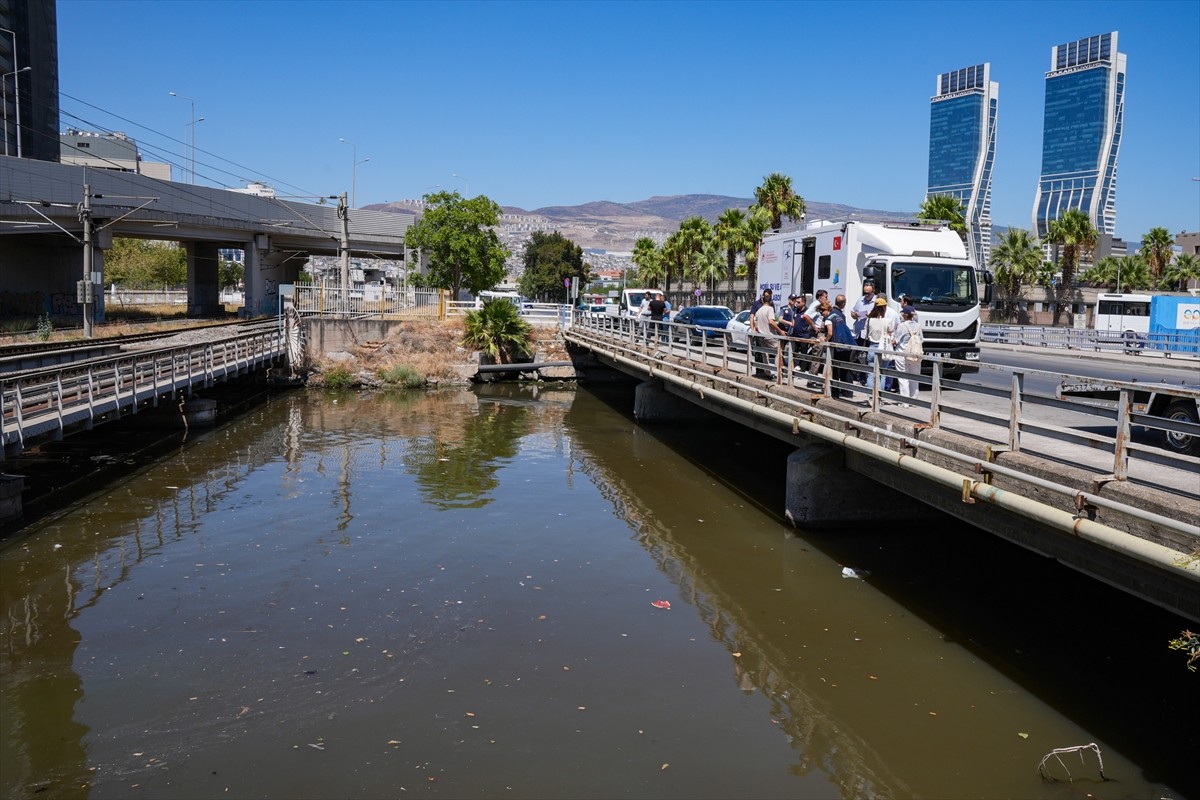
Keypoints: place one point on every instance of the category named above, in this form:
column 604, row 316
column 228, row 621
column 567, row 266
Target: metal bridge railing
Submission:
column 994, row 406
column 44, row 402
column 1164, row 345
column 314, row 299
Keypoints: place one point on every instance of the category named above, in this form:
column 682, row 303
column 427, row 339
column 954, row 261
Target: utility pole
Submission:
column 87, row 290
column 344, row 216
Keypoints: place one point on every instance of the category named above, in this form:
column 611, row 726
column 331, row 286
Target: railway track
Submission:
column 26, row 357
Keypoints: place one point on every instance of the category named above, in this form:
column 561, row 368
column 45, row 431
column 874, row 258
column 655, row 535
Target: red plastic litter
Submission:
column 661, row 604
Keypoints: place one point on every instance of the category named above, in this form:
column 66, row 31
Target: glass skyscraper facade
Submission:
column 962, row 149
column 1081, row 133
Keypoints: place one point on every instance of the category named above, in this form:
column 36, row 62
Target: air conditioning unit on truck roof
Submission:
column 928, row 263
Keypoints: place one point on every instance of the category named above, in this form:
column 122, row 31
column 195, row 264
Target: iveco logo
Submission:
column 938, row 323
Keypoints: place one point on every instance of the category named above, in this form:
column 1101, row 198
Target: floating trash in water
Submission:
column 661, row 604
column 851, row 572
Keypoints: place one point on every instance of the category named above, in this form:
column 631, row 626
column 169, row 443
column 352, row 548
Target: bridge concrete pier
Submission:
column 203, row 279
column 653, row 403
column 822, row 493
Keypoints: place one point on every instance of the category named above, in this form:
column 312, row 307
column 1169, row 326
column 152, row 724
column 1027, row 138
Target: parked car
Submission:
column 738, row 328
column 697, row 322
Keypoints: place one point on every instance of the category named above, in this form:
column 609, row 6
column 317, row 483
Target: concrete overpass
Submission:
column 42, row 234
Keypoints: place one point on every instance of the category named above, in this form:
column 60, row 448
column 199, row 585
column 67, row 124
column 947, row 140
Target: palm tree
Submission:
column 708, row 266
column 778, row 197
column 758, row 223
column 695, row 236
column 498, row 331
column 1156, row 249
column 648, row 260
column 1185, row 267
column 1076, row 234
column 1120, row 274
column 944, row 208
column 674, row 252
column 1016, row 260
column 1103, row 273
column 731, row 235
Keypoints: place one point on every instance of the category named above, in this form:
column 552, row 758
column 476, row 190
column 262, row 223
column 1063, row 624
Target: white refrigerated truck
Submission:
column 925, row 261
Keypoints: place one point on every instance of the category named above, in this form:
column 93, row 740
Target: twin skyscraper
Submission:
column 1081, row 135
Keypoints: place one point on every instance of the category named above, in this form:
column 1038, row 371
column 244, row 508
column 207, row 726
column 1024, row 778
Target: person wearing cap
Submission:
column 879, row 329
column 909, row 353
column 861, row 310
column 787, row 321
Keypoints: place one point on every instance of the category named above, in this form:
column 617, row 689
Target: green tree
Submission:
column 144, row 264
column 757, row 224
column 944, row 208
column 732, row 236
column 498, row 331
column 777, row 196
column 675, row 253
column 1157, row 250
column 1120, row 274
column 1185, row 267
column 1076, row 235
column 1016, row 260
column 708, row 266
column 648, row 259
column 551, row 258
column 458, row 238
column 230, row 273
column 695, row 236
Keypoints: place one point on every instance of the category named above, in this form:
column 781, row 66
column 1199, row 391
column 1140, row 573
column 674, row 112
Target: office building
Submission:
column 962, row 149
column 29, row 78
column 1081, row 134
column 108, row 151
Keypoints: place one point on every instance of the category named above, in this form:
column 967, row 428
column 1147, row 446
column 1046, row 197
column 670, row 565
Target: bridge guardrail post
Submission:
column 1014, row 414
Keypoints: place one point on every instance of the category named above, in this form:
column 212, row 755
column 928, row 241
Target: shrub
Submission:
column 498, row 331
column 340, row 378
column 45, row 328
column 402, row 375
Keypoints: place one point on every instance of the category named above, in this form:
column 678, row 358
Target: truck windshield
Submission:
column 934, row 284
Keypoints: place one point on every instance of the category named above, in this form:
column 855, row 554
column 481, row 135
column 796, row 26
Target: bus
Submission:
column 1123, row 316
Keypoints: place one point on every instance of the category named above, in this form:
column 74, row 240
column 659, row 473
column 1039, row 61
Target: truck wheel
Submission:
column 1182, row 411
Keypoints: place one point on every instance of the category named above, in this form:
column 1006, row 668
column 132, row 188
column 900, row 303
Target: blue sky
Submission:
column 560, row 103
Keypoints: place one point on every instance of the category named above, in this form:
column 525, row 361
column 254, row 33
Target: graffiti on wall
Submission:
column 65, row 304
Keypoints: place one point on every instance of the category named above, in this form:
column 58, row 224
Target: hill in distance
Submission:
column 616, row 226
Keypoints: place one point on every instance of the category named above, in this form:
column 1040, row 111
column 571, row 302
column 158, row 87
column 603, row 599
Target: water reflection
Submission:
column 363, row 595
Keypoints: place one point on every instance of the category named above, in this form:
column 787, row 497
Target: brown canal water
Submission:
column 463, row 594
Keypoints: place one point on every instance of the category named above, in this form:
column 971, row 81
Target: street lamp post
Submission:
column 191, row 126
column 354, row 162
column 16, row 73
column 466, row 186
column 4, row 87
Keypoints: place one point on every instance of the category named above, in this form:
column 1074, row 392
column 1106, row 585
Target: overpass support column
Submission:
column 652, row 402
column 265, row 272
column 204, row 291
column 822, row 493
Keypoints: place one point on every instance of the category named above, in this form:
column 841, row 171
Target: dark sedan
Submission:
column 698, row 322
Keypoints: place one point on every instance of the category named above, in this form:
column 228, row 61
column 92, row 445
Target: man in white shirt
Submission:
column 860, row 311
column 768, row 333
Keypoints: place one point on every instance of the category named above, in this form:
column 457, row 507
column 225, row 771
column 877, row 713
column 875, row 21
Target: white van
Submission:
column 631, row 301
column 487, row 296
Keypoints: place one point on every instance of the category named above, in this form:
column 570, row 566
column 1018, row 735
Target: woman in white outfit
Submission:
column 906, row 331
column 878, row 330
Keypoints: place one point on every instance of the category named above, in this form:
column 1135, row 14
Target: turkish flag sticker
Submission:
column 837, row 243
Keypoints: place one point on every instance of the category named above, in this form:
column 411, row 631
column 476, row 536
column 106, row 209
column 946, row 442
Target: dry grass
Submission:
column 434, row 350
